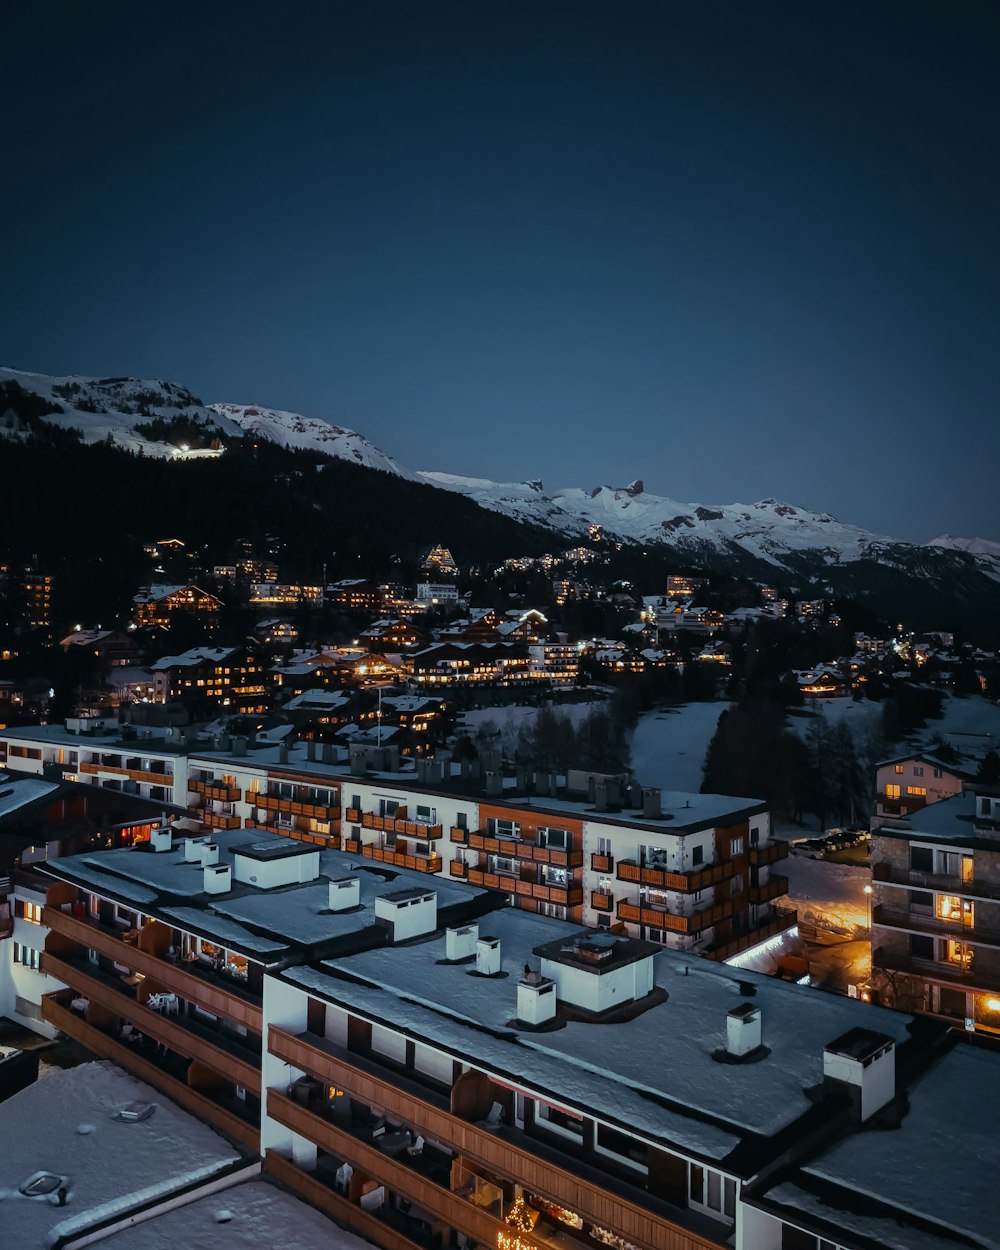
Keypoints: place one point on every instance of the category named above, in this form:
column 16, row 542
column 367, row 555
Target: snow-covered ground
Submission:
column 255, row 1214
column 862, row 716
column 831, row 896
column 668, row 748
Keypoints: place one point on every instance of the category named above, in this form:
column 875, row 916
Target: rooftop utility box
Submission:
column 345, row 893
column 268, row 865
column 407, row 913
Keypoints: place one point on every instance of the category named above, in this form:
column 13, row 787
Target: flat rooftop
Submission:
column 950, row 820
column 266, row 925
column 655, row 1073
column 63, row 1124
column 944, row 1156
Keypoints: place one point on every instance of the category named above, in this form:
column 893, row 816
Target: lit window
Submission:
column 917, row 790
column 892, row 792
column 899, row 770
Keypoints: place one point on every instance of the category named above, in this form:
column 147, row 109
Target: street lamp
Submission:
column 868, row 900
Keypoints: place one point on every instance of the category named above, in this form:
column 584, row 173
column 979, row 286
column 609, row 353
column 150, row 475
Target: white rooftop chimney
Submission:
column 743, row 1030
column 865, row 1061
column 345, row 893
column 217, row 878
column 192, row 849
column 488, row 956
column 536, row 999
column 161, row 838
column 210, row 853
column 461, row 943
column 407, row 913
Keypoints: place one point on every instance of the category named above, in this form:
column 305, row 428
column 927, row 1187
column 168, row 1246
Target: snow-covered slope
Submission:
column 292, row 430
column 985, row 553
column 768, row 530
column 102, row 408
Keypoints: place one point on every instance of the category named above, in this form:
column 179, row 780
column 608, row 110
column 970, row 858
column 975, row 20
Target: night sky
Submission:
column 735, row 249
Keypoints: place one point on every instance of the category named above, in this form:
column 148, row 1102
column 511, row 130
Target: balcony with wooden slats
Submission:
column 660, row 918
column 236, row 1003
column 774, row 887
column 769, row 854
column 216, row 790
column 635, row 1215
column 682, row 882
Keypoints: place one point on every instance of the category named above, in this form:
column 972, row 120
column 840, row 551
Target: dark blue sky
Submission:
column 737, row 250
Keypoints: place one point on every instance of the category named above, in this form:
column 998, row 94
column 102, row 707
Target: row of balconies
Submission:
column 133, row 774
column 402, row 859
column 919, row 922
column 782, row 918
column 314, row 811
column 685, row 882
column 216, row 790
column 774, row 887
column 768, row 854
column 218, row 820
column 513, row 1156
column 329, row 840
column 399, row 824
column 952, row 883
column 660, row 918
column 567, row 896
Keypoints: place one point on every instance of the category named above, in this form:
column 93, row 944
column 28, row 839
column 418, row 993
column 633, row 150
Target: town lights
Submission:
column 517, row 1221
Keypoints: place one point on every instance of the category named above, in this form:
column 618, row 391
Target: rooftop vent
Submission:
column 494, row 784
column 192, row 849
column 652, row 803
column 536, row 999
column 743, row 1030
column 133, row 1112
column 345, row 893
column 407, row 913
column 864, row 1062
column 488, row 956
column 210, row 853
column 218, row 878
column 461, row 943
column 161, row 838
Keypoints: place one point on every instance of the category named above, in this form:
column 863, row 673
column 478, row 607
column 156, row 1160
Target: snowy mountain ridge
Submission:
column 771, row 531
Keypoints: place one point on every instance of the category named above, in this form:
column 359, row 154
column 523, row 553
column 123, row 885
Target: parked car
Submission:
column 811, row 848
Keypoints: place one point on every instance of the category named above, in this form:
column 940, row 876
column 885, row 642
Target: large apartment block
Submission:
column 692, row 872
column 434, row 1068
column 936, row 910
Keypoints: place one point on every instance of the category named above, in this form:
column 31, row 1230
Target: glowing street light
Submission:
column 868, row 900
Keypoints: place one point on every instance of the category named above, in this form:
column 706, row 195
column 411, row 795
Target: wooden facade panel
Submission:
column 170, row 975
column 153, row 1023
column 643, row 1228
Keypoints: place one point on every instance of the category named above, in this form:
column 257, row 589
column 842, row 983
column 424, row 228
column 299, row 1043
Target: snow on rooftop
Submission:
column 62, row 1124
column 666, row 1051
column 256, row 1213
column 16, row 794
column 945, row 1153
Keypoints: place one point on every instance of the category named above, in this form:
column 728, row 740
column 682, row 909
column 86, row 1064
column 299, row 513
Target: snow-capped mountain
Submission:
column 105, row 408
column 289, row 429
column 985, row 553
column 768, row 530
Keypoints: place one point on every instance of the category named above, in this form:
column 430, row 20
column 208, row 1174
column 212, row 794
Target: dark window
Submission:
column 921, row 947
column 921, row 859
column 698, row 855
column 921, row 898
column 952, row 1003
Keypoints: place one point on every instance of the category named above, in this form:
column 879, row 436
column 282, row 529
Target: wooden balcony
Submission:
column 683, row 882
column 291, row 807
column 565, row 896
column 449, row 1207
column 458, row 835
column 347, row 1214
column 353, row 814
column 959, row 975
column 660, row 918
column 402, row 859
column 774, row 887
column 133, row 774
column 947, row 883
column 242, row 1008
column 216, row 790
column 769, row 854
column 506, row 1152
column 601, row 902
column 602, row 863
column 106, row 1047
column 216, row 820
column 458, row 869
column 329, row 840
column 163, row 1028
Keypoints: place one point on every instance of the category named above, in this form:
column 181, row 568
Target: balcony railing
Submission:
column 216, row 790
column 600, row 901
column 941, row 973
column 935, row 926
column 782, row 918
column 314, row 811
column 683, row 882
column 56, row 1011
column 238, row 1005
column 565, row 896
column 134, row 774
column 948, row 883
column 602, row 863
column 509, row 1153
column 218, row 820
column 660, row 918
column 769, row 854
column 223, row 1057
column 403, row 859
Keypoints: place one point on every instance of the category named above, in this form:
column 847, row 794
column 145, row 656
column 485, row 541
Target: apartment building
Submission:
column 936, row 910
column 156, row 605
